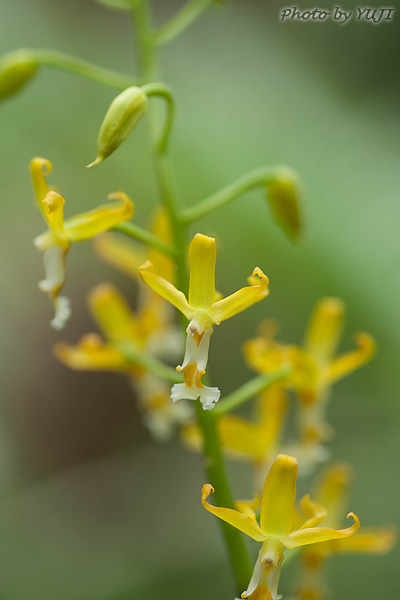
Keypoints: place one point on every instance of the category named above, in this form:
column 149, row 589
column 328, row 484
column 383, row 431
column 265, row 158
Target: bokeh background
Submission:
column 90, row 507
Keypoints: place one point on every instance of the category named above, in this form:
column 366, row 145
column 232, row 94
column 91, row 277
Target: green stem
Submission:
column 81, row 67
column 248, row 390
column 162, row 91
column 144, row 236
column 214, row 462
column 256, row 178
column 150, row 363
column 180, row 21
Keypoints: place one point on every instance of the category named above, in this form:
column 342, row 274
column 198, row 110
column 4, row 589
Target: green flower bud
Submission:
column 16, row 69
column 283, row 195
column 124, row 113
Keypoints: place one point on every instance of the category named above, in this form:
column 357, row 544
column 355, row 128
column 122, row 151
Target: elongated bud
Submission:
column 16, row 69
column 124, row 113
column 283, row 195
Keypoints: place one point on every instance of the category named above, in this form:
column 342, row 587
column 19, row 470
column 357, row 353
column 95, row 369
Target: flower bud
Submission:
column 283, row 195
column 16, row 69
column 123, row 114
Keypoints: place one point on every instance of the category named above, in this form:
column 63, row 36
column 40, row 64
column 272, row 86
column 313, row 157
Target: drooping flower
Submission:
column 202, row 309
column 331, row 491
column 56, row 242
column 314, row 367
column 276, row 531
column 145, row 335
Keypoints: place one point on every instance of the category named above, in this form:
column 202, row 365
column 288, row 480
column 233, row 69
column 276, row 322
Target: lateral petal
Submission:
column 242, row 299
column 165, row 289
column 87, row 225
column 347, row 363
column 235, row 518
column 313, row 535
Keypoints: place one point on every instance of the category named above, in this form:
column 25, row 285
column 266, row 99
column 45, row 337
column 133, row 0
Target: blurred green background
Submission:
column 90, row 507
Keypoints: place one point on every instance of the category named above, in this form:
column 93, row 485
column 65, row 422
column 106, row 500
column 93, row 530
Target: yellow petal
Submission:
column 368, row 541
column 233, row 517
column 39, row 168
column 120, row 252
column 241, row 436
column 112, row 312
column 324, row 329
column 202, row 257
column 87, row 225
column 313, row 535
column 279, row 495
column 242, row 299
column 161, row 228
column 343, row 365
column 271, row 412
column 249, row 507
column 54, row 212
column 313, row 512
column 165, row 289
column 331, row 490
column 90, row 354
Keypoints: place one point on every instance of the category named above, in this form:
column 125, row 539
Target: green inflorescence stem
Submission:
column 214, row 461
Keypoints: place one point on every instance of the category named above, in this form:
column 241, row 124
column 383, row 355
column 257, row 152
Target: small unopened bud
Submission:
column 16, row 69
column 283, row 195
column 124, row 113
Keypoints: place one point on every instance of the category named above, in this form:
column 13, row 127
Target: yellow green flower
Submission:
column 331, row 491
column 56, row 242
column 315, row 366
column 202, row 308
column 277, row 529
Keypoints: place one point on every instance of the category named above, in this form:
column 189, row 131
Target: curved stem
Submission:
column 150, row 363
column 256, row 178
column 162, row 91
column 180, row 21
column 53, row 58
column 144, row 236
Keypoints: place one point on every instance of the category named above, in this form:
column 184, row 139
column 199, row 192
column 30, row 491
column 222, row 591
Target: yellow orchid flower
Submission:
column 202, row 309
column 275, row 530
column 332, row 490
column 119, row 324
column 55, row 242
column 315, row 368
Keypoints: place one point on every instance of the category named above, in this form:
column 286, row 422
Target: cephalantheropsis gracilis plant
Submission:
column 140, row 343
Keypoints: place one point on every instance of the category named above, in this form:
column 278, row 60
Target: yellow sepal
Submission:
column 39, row 168
column 202, row 257
column 279, row 495
column 112, row 312
column 324, row 329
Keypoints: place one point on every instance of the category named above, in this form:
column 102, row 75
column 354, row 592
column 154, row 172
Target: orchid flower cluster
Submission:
column 145, row 344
